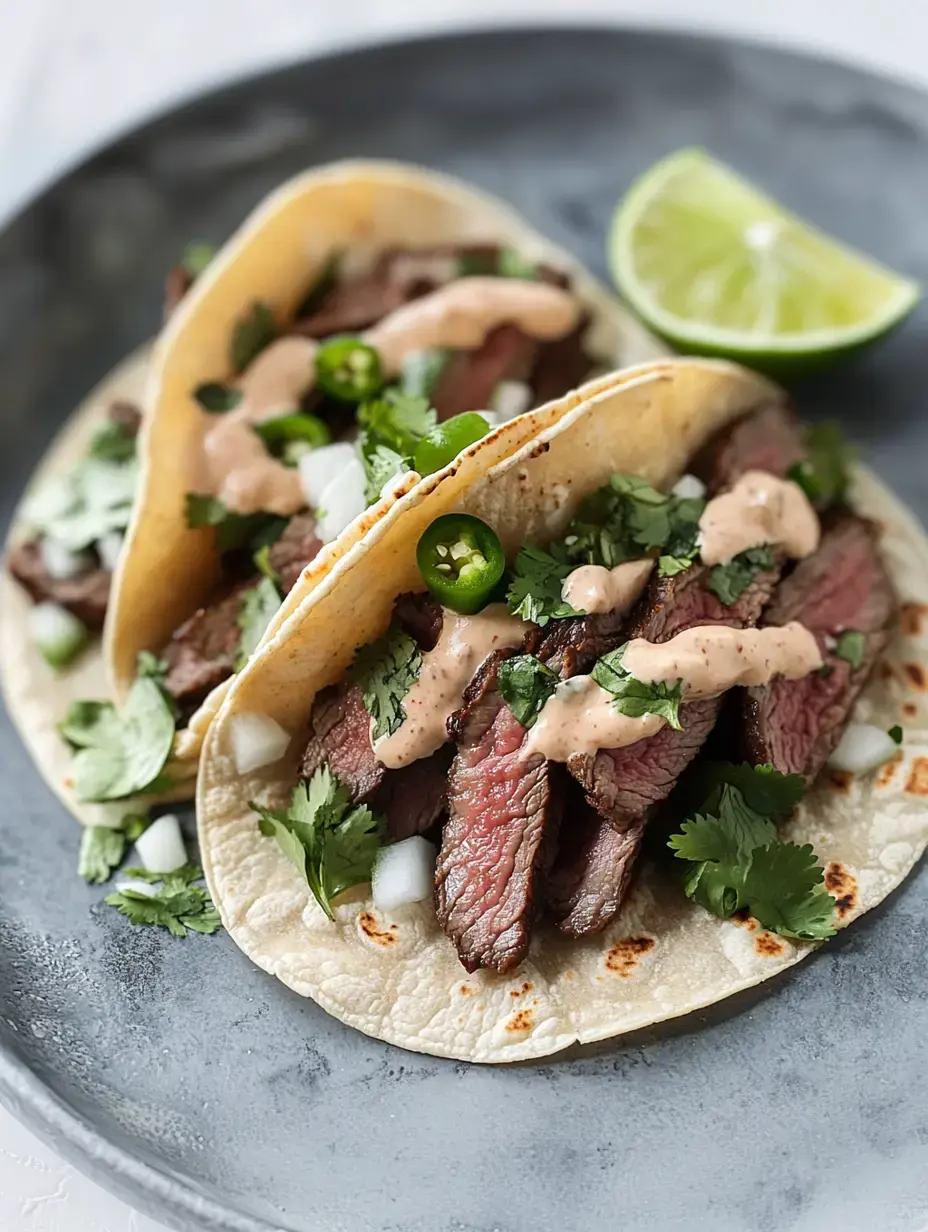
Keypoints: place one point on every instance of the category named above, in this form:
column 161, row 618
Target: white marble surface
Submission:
column 76, row 72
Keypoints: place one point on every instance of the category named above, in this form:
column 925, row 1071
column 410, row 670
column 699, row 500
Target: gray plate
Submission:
column 200, row 1089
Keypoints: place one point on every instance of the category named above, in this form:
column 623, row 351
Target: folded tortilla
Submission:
column 397, row 976
column 167, row 570
column 358, row 208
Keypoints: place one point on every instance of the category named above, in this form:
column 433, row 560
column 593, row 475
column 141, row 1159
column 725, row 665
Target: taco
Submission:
column 334, row 348
column 576, row 713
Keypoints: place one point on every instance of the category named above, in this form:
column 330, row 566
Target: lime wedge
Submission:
column 717, row 267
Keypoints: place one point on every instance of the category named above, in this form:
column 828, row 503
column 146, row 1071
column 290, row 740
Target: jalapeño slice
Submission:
column 461, row 561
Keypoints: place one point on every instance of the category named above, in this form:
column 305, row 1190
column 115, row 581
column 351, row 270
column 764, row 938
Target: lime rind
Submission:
column 747, row 278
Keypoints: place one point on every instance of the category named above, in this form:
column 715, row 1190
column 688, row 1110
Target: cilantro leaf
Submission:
column 380, row 464
column 236, row 530
column 179, row 905
column 729, row 582
column 736, row 861
column 120, row 754
column 422, row 371
column 331, row 842
column 90, row 501
column 397, row 420
column 251, row 334
column 851, row 646
column 511, row 264
column 102, row 850
column 535, row 590
column 627, row 518
column 386, row 670
column 259, row 607
column 113, row 441
column 824, row 475
column 205, row 510
column 525, row 684
column 151, row 666
column 262, row 562
column 895, row 734
column 217, row 398
column 196, row 256
column 636, row 698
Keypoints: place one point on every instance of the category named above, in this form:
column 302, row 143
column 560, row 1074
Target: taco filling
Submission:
column 533, row 717
column 395, row 369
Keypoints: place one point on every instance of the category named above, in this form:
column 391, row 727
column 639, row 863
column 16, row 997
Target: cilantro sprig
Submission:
column 637, row 698
column 825, row 474
column 729, row 582
column 385, row 670
column 525, row 684
column 258, row 609
column 391, row 428
column 736, row 862
column 537, row 580
column 331, row 842
column 627, row 519
column 120, row 753
column 179, row 905
column 851, row 646
column 103, row 848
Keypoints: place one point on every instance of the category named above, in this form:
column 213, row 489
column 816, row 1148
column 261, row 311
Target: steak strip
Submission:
column 794, row 725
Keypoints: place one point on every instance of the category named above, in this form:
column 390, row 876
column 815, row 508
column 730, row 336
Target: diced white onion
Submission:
column 109, row 549
column 318, row 467
column 57, row 633
column 403, row 873
column 491, row 417
column 688, row 487
column 342, row 500
column 257, row 740
column 55, row 499
column 161, row 848
column 863, row 747
column 137, row 885
column 510, row 398
column 60, row 562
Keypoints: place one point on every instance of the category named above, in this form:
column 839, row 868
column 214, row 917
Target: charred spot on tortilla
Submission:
column 909, row 710
column 887, row 772
column 840, row 781
column 916, row 676
column 367, row 922
column 767, row 945
column 524, row 1020
column 912, row 619
column 842, row 886
column 917, row 783
column 625, row 955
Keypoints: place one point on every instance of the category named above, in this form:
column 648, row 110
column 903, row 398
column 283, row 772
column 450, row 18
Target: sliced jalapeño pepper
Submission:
column 289, row 436
column 461, row 561
column 348, row 369
column 445, row 442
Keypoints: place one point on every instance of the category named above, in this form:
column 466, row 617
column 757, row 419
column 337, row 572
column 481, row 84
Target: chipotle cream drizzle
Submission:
column 759, row 509
column 459, row 316
column 594, row 588
column 446, row 671
column 243, row 475
column 580, row 717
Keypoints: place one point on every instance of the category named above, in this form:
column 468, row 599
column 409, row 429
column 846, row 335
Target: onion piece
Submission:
column 862, row 748
column 341, row 501
column 161, row 848
column 318, row 466
column 511, row 398
column 109, row 549
column 60, row 562
column 137, row 885
column 257, row 740
column 403, row 873
column 688, row 487
column 491, row 417
column 57, row 633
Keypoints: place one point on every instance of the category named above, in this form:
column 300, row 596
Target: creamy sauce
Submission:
column 581, row 718
column 759, row 509
column 459, row 316
column 594, row 588
column 446, row 671
column 241, row 472
column 712, row 658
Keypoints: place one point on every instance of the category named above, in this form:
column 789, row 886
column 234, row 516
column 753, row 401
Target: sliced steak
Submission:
column 411, row 799
column 297, row 546
column 593, row 869
column 768, row 439
column 397, row 278
column 795, row 724
column 85, row 595
column 560, row 366
column 178, row 282
column 201, row 653
column 126, row 414
column 503, row 813
column 469, row 378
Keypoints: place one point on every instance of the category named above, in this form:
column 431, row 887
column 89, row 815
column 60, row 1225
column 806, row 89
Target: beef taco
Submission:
column 341, row 344
column 584, row 737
